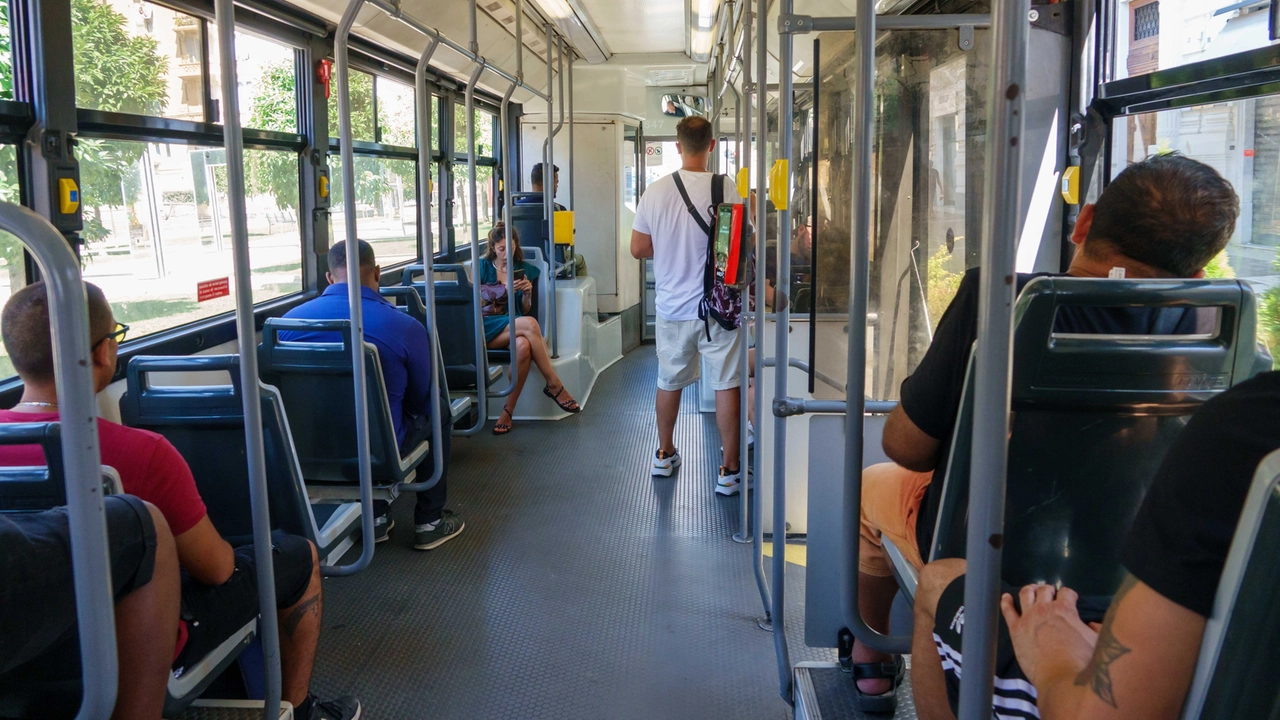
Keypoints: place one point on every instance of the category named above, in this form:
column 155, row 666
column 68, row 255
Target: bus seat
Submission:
column 455, row 314
column 531, row 225
column 206, row 425
column 408, row 300
column 314, row 380
column 42, row 487
column 1238, row 672
column 1093, row 416
column 33, row 489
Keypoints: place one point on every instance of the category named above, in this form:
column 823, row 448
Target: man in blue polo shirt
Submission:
column 404, row 350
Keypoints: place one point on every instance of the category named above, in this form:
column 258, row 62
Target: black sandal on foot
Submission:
column 501, row 428
column 885, row 702
column 569, row 406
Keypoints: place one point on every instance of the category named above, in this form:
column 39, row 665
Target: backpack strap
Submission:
column 684, row 195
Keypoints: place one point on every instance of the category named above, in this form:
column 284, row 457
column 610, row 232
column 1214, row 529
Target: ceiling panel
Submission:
column 640, row 26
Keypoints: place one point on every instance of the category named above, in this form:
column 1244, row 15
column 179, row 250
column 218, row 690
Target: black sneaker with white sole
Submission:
column 430, row 537
column 382, row 528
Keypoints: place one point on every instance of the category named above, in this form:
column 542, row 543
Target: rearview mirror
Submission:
column 682, row 106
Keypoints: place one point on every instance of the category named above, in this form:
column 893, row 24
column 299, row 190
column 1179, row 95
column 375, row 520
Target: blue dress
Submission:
column 494, row 300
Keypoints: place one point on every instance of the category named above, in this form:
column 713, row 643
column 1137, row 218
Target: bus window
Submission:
column 362, row 121
column 265, row 71
column 6, row 55
column 396, row 113
column 1151, row 35
column 386, row 206
column 660, row 159
column 157, row 227
column 1241, row 140
column 486, row 161
column 14, row 275
column 137, row 58
column 926, row 214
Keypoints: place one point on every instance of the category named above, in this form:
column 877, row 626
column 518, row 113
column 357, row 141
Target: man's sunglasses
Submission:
column 118, row 334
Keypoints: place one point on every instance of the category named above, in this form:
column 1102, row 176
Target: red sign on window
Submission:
column 210, row 289
column 1248, row 153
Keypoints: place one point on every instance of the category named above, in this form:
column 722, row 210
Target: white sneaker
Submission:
column 728, row 484
column 664, row 464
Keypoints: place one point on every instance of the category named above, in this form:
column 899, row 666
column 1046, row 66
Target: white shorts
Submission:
column 682, row 343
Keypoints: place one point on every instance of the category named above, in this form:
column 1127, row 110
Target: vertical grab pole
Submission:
column 482, row 356
column 856, row 380
column 341, row 39
column 423, row 109
column 994, row 355
column 553, row 321
column 786, row 106
column 246, row 333
column 549, row 179
column 90, row 562
column 573, row 271
column 506, row 219
column 520, row 42
column 762, row 124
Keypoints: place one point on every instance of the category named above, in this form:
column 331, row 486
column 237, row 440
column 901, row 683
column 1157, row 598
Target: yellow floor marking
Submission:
column 796, row 554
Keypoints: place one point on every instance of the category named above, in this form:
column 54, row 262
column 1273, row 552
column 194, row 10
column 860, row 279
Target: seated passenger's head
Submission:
column 535, row 179
column 694, row 137
column 1169, row 215
column 370, row 273
column 25, row 327
column 496, row 251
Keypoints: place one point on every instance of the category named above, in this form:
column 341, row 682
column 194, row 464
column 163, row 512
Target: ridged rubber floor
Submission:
column 581, row 587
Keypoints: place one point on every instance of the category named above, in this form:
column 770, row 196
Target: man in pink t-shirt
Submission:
column 219, row 582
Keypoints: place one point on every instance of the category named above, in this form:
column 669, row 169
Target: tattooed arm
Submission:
column 1138, row 664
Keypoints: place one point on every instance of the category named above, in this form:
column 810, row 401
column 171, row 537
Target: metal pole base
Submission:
column 765, row 624
column 741, row 538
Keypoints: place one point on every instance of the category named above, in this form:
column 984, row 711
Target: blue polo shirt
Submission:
column 404, row 348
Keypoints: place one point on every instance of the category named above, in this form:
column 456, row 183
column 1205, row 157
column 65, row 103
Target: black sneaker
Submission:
column 343, row 708
column 382, row 528
column 426, row 537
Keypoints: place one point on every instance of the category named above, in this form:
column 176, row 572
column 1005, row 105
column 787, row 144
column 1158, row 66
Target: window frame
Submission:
column 129, row 127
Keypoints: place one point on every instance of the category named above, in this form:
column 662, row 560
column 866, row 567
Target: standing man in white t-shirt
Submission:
column 666, row 231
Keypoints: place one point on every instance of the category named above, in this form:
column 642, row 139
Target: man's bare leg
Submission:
column 668, row 408
column 928, row 684
column 299, row 635
column 875, row 602
column 146, row 632
column 728, row 417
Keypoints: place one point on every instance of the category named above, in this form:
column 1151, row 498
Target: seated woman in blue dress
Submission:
column 497, row 334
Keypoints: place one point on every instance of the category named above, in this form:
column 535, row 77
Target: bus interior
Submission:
column 197, row 159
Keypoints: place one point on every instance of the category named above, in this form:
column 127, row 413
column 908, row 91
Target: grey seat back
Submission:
column 1238, row 673
column 1093, row 416
column 315, row 381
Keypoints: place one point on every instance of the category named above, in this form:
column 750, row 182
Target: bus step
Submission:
column 231, row 710
column 825, row 692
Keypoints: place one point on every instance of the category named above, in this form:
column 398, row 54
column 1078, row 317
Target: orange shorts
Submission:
column 891, row 497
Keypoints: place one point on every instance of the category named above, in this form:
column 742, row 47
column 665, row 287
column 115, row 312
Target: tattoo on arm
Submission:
column 1097, row 674
column 310, row 605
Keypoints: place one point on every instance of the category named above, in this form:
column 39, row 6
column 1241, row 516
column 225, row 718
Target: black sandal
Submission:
column 885, row 702
column 569, row 406
column 501, row 428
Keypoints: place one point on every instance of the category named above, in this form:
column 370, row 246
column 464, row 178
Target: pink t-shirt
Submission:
column 149, row 466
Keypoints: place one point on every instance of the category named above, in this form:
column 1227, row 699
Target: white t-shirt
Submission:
column 679, row 245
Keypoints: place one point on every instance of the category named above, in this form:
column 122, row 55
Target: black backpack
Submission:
column 720, row 302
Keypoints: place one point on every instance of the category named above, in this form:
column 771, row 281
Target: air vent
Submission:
column 671, row 76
